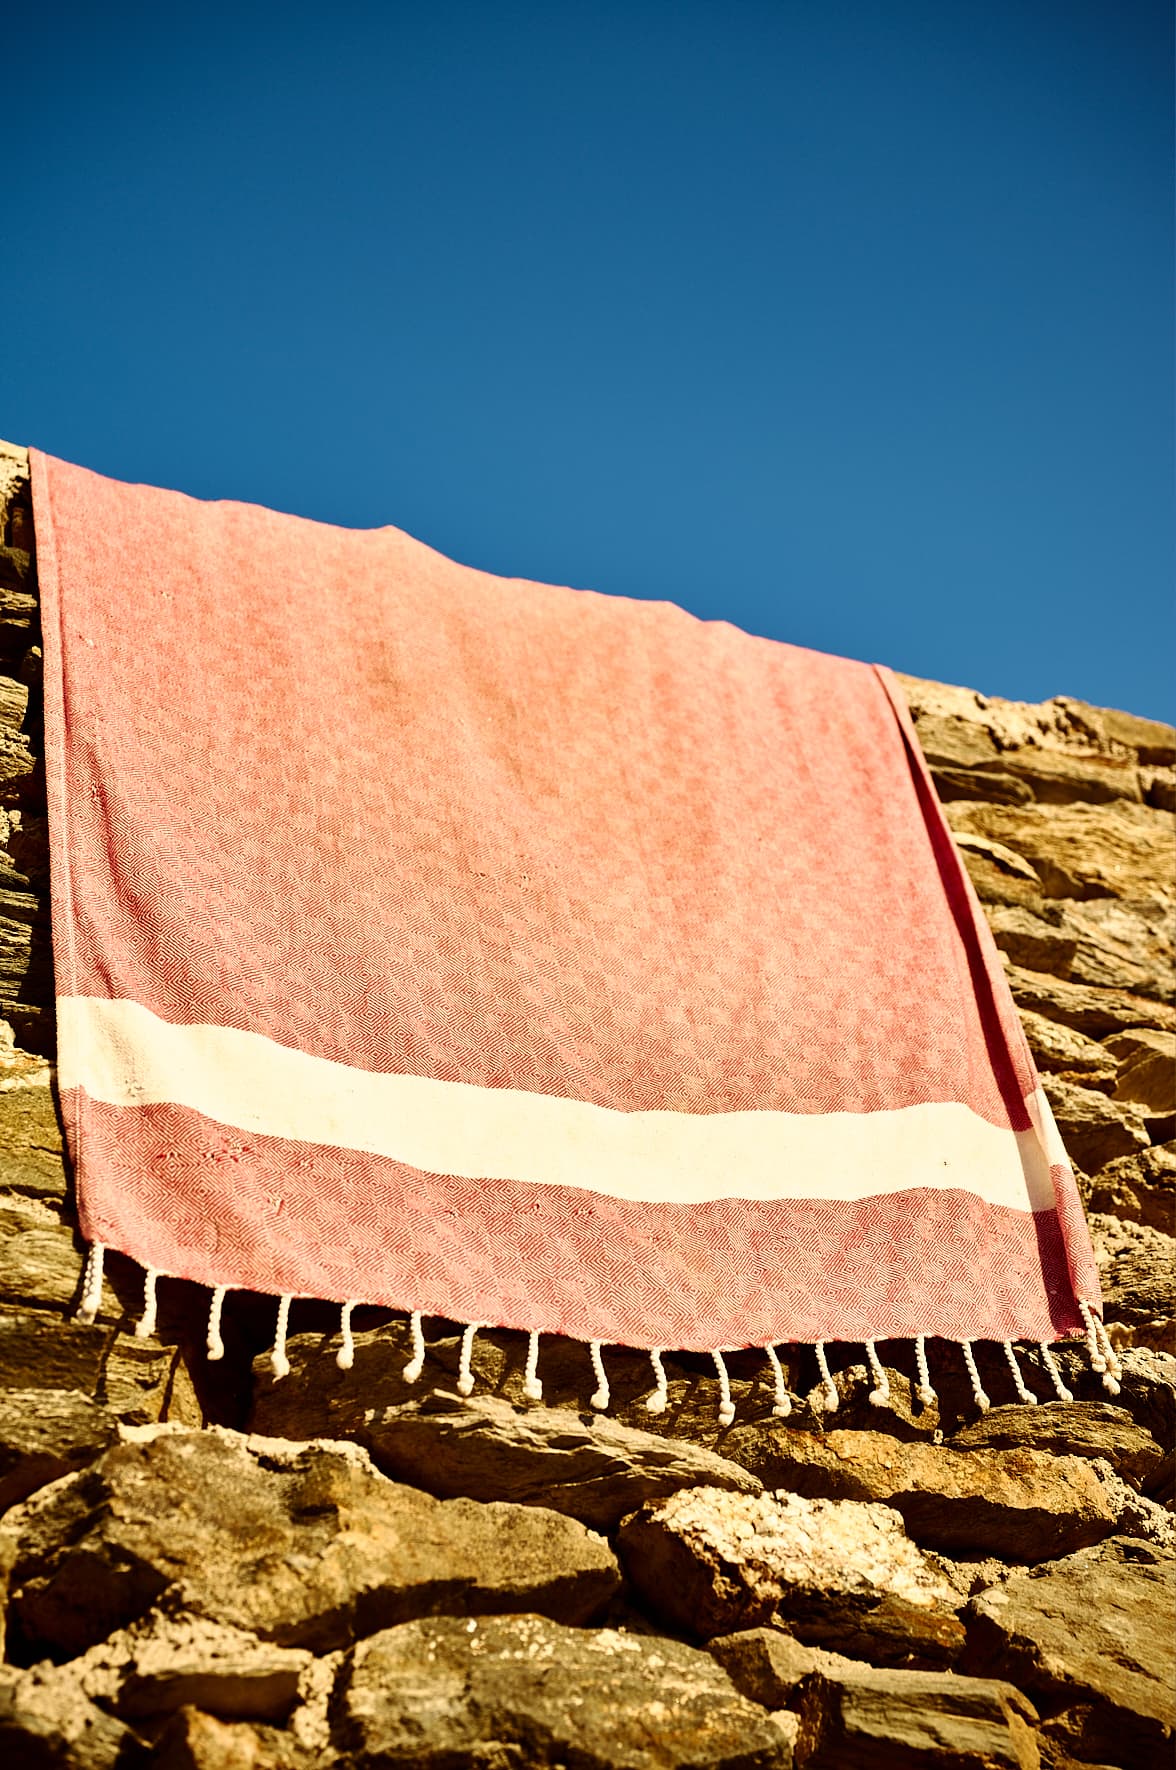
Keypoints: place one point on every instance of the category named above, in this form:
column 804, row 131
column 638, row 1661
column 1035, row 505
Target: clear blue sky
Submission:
column 850, row 323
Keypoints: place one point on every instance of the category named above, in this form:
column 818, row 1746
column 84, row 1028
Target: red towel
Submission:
column 517, row 954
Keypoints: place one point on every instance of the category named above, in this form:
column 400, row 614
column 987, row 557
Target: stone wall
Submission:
column 206, row 1567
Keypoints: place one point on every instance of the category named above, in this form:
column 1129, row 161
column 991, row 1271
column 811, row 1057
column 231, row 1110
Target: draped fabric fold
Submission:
column 517, row 954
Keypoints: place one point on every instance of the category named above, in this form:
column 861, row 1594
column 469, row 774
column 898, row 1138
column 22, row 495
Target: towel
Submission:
column 518, row 954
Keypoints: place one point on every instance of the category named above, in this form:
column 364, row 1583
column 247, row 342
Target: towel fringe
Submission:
column 532, row 1387
column 465, row 1374
column 216, row 1346
column 1019, row 1383
column 831, row 1396
column 416, row 1364
column 1051, row 1365
column 726, row 1405
column 145, row 1326
column 91, row 1301
column 345, row 1357
column 880, row 1393
column 978, row 1395
column 278, row 1360
column 659, row 1400
column 924, row 1390
column 782, row 1402
column 1104, row 1360
column 599, row 1400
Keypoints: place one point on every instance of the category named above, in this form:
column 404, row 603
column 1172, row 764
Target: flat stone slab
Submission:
column 303, row 1545
column 1025, row 1505
column 595, row 1470
column 831, row 1571
column 435, row 1694
column 1091, row 1639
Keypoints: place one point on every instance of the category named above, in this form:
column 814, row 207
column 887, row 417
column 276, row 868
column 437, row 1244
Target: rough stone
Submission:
column 32, row 1158
column 45, row 1434
column 1137, row 1268
column 1095, row 1130
column 485, row 1449
column 1121, row 946
column 1079, row 851
column 48, row 1723
column 520, row 1690
column 164, row 1663
column 881, row 1718
column 1024, row 1505
column 999, row 874
column 1093, row 1429
column 1147, row 1068
column 305, row 1546
column 193, row 1740
column 1090, row 1639
column 1061, row 1050
column 1138, row 1188
column 1083, row 1006
column 140, row 1381
column 837, row 1572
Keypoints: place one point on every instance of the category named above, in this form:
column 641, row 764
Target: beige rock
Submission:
column 31, row 1150
column 1147, row 1068
column 1090, row 1639
column 45, row 1434
column 194, row 1740
column 139, row 1381
column 1093, row 1429
column 1121, row 946
column 306, row 1546
column 520, row 1690
column 483, row 1448
column 164, row 1663
column 1140, row 1188
column 1116, row 850
column 1137, row 1268
column 1060, row 1050
column 1025, row 1505
column 1094, row 1128
column 830, row 1571
column 998, row 872
column 1082, row 1006
column 46, row 1721
column 1150, row 739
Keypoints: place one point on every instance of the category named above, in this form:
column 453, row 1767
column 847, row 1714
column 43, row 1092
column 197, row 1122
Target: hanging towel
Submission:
column 518, row 954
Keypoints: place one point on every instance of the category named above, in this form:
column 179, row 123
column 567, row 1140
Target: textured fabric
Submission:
column 517, row 954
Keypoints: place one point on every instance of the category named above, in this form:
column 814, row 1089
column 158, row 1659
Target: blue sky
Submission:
column 849, row 323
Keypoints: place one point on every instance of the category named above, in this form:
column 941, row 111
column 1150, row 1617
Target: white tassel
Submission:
column 92, row 1284
column 216, row 1346
column 145, row 1326
column 1113, row 1380
column 279, row 1363
column 925, row 1392
column 1019, row 1383
column 831, row 1396
column 880, row 1393
column 600, row 1399
column 659, row 1400
column 1109, row 1369
column 532, row 1387
column 726, row 1405
column 782, row 1405
column 416, row 1364
column 982, row 1401
column 345, row 1357
column 465, row 1374
column 1051, row 1365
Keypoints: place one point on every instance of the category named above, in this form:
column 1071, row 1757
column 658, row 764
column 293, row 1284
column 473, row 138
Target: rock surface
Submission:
column 305, row 1546
column 522, row 1691
column 834, row 1571
column 881, row 1718
column 595, row 1471
column 1025, row 1505
column 1090, row 1638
